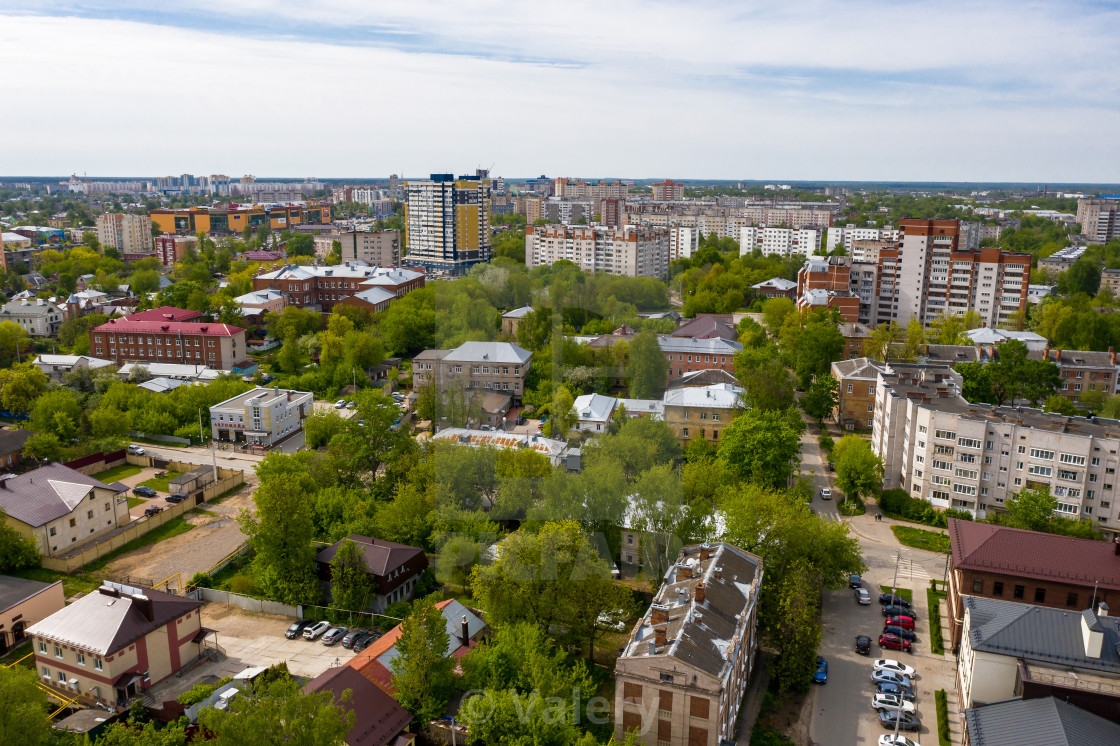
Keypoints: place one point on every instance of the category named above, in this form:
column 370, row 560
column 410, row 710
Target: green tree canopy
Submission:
column 422, row 669
column 762, row 447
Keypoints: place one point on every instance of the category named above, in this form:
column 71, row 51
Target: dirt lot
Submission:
column 258, row 640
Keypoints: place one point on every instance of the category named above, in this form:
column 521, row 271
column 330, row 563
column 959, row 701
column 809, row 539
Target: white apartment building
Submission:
column 974, row 457
column 630, row 251
column 261, row 417
column 778, row 241
column 128, row 234
column 683, row 241
column 847, row 235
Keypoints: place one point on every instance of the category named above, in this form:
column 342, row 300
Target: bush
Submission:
column 936, row 641
column 196, row 694
column 243, row 584
column 943, row 735
column 897, row 504
column 826, row 443
column 201, row 580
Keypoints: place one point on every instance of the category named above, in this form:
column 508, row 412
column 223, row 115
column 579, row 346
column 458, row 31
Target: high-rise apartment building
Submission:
column 447, row 222
column 128, row 234
column 667, row 191
column 380, row 248
column 847, row 235
column 778, row 241
column 683, row 241
column 610, row 212
column 1099, row 217
column 171, row 248
column 636, row 252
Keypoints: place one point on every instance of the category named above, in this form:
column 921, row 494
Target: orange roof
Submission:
column 366, row 662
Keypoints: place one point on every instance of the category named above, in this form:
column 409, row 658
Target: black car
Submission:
column 151, row 510
column 905, row 634
column 886, row 687
column 363, row 641
column 898, row 611
column 351, row 637
column 177, row 497
column 855, row 581
column 297, row 628
column 889, row 599
column 142, row 491
column 905, row 720
column 863, row 645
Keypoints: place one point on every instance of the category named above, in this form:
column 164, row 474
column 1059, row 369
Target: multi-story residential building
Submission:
column 116, row 642
column 142, row 338
column 447, row 222
column 393, row 569
column 235, row 219
column 687, row 354
column 938, row 447
column 1031, row 567
column 1044, row 720
column 776, row 287
column 701, row 412
column 635, row 252
column 512, row 319
column 1099, row 218
column 681, row 676
column 60, row 508
column 1083, row 371
column 610, row 212
column 379, row 248
column 262, row 301
column 986, row 335
column 778, row 241
column 171, row 248
column 475, row 366
column 38, row 317
column 1110, row 278
column 856, row 381
column 848, row 236
column 1062, row 259
column 128, row 234
column 321, row 287
column 261, row 417
column 667, row 191
column 683, row 241
column 856, row 337
column 825, row 282
column 595, row 411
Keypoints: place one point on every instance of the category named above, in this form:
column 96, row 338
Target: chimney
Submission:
column 659, row 638
column 658, row 614
column 705, row 550
column 466, row 635
column 684, row 572
column 718, row 573
column 1102, row 609
column 699, row 619
column 1092, row 634
column 106, row 590
column 144, row 605
column 699, row 593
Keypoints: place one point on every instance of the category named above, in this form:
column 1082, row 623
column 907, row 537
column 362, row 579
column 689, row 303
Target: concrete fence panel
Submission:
column 245, row 602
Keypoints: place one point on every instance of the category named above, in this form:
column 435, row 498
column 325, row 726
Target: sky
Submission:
column 829, row 90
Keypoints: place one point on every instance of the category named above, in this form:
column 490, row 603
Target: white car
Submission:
column 891, row 702
column 136, row 450
column 316, row 631
column 826, row 494
column 892, row 740
column 886, row 664
column 340, row 404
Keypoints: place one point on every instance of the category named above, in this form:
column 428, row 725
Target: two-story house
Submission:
column 38, row 317
column 262, row 416
column 481, row 367
column 701, row 411
column 393, row 568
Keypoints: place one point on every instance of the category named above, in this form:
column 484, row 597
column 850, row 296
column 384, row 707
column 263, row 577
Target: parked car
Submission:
column 894, row 642
column 906, row 622
column 316, row 631
column 142, row 491
column 898, row 611
column 349, row 638
column 863, row 645
column 832, row 466
column 890, row 677
column 820, row 676
column 886, row 664
column 855, row 581
column 885, row 687
column 890, row 599
column 891, row 702
column 177, row 497
column 863, row 598
column 297, row 628
column 905, row 634
column 136, row 451
column 151, row 510
column 340, row 404
column 902, row 720
column 826, row 494
column 333, row 635
column 363, row 641
column 891, row 739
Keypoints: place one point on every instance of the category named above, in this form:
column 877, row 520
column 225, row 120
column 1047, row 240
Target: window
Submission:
column 46, row 672
column 1069, row 458
column 42, row 647
column 1019, row 591
column 964, row 489
column 944, row 435
column 965, row 473
column 1039, row 453
column 57, row 651
column 81, row 658
column 978, row 585
column 968, row 442
column 73, row 522
column 664, row 697
column 1022, row 449
column 1040, row 595
column 54, row 531
column 997, row 588
column 62, row 676
column 89, row 514
column 1039, row 471
column 668, row 678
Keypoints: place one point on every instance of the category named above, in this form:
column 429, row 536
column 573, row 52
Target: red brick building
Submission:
column 320, row 287
column 162, row 335
column 686, row 354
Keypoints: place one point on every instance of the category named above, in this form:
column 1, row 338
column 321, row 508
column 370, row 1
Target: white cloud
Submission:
column 658, row 89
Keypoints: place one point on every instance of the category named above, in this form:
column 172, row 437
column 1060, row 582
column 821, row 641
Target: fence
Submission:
column 161, row 438
column 246, row 602
column 97, row 462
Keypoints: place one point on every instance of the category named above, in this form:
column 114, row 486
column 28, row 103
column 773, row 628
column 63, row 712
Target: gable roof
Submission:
column 377, row 716
column 489, row 352
column 1037, row 722
column 777, row 283
column 594, row 407
column 984, row 547
column 518, row 313
column 706, row 326
column 710, row 345
column 45, row 494
column 382, row 557
column 165, row 313
column 17, row 590
column 718, row 396
column 859, row 367
column 13, row 440
column 375, row 295
column 704, row 377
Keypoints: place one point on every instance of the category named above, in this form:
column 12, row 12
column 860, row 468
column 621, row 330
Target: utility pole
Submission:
column 1093, row 605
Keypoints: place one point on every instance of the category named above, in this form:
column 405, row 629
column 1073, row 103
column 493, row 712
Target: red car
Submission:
column 894, row 642
column 905, row 622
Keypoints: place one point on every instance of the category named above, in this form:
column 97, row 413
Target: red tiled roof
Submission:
column 366, row 662
column 128, row 324
column 165, row 313
column 1031, row 554
column 378, row 719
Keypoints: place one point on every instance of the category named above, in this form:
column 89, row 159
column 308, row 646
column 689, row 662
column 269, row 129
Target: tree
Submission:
column 811, row 348
column 859, row 472
column 949, row 329
column 301, row 244
column 279, row 712
column 422, row 670
column 16, row 550
column 879, row 346
column 976, row 386
column 775, row 311
column 562, row 415
column 1083, row 276
column 1031, row 509
column 648, row 368
column 350, row 579
column 23, row 718
column 1060, row 405
column 822, row 397
column 289, row 358
column 640, row 444
column 761, row 447
column 767, row 383
column 57, row 412
column 148, row 734
column 20, row 386
column 13, row 339
column 43, row 447
column 797, row 624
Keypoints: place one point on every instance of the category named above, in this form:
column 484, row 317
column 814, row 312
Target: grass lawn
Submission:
column 71, row 584
column 174, row 527
column 919, row 538
column 904, row 593
column 942, row 704
column 18, row 652
column 118, row 473
column 134, row 502
column 203, row 511
column 936, row 641
column 159, row 484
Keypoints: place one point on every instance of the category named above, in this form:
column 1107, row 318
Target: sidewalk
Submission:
column 752, row 702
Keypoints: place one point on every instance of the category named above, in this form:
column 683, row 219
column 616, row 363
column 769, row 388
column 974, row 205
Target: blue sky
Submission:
column 903, row 90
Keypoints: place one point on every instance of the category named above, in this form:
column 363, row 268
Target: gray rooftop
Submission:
column 1037, row 722
column 16, row 590
column 45, row 494
column 489, row 352
column 266, row 395
column 710, row 346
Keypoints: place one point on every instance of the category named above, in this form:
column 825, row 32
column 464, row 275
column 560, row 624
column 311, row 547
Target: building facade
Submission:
column 38, row 317
column 686, row 355
column 856, row 380
column 778, row 241
column 393, row 569
column 475, row 366
column 701, row 412
column 22, row 604
column 171, row 248
column 320, row 287
column 141, row 338
column 447, row 222
column 260, row 417
column 236, row 218
column 379, row 248
column 630, row 251
column 128, row 234
column 1099, row 218
column 667, row 191
column 681, row 677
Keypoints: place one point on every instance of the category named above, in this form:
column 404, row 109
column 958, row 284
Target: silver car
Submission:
column 863, row 598
column 333, row 635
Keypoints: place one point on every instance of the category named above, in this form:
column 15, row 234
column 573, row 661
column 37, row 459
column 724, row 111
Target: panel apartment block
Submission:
column 635, row 252
column 128, row 234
